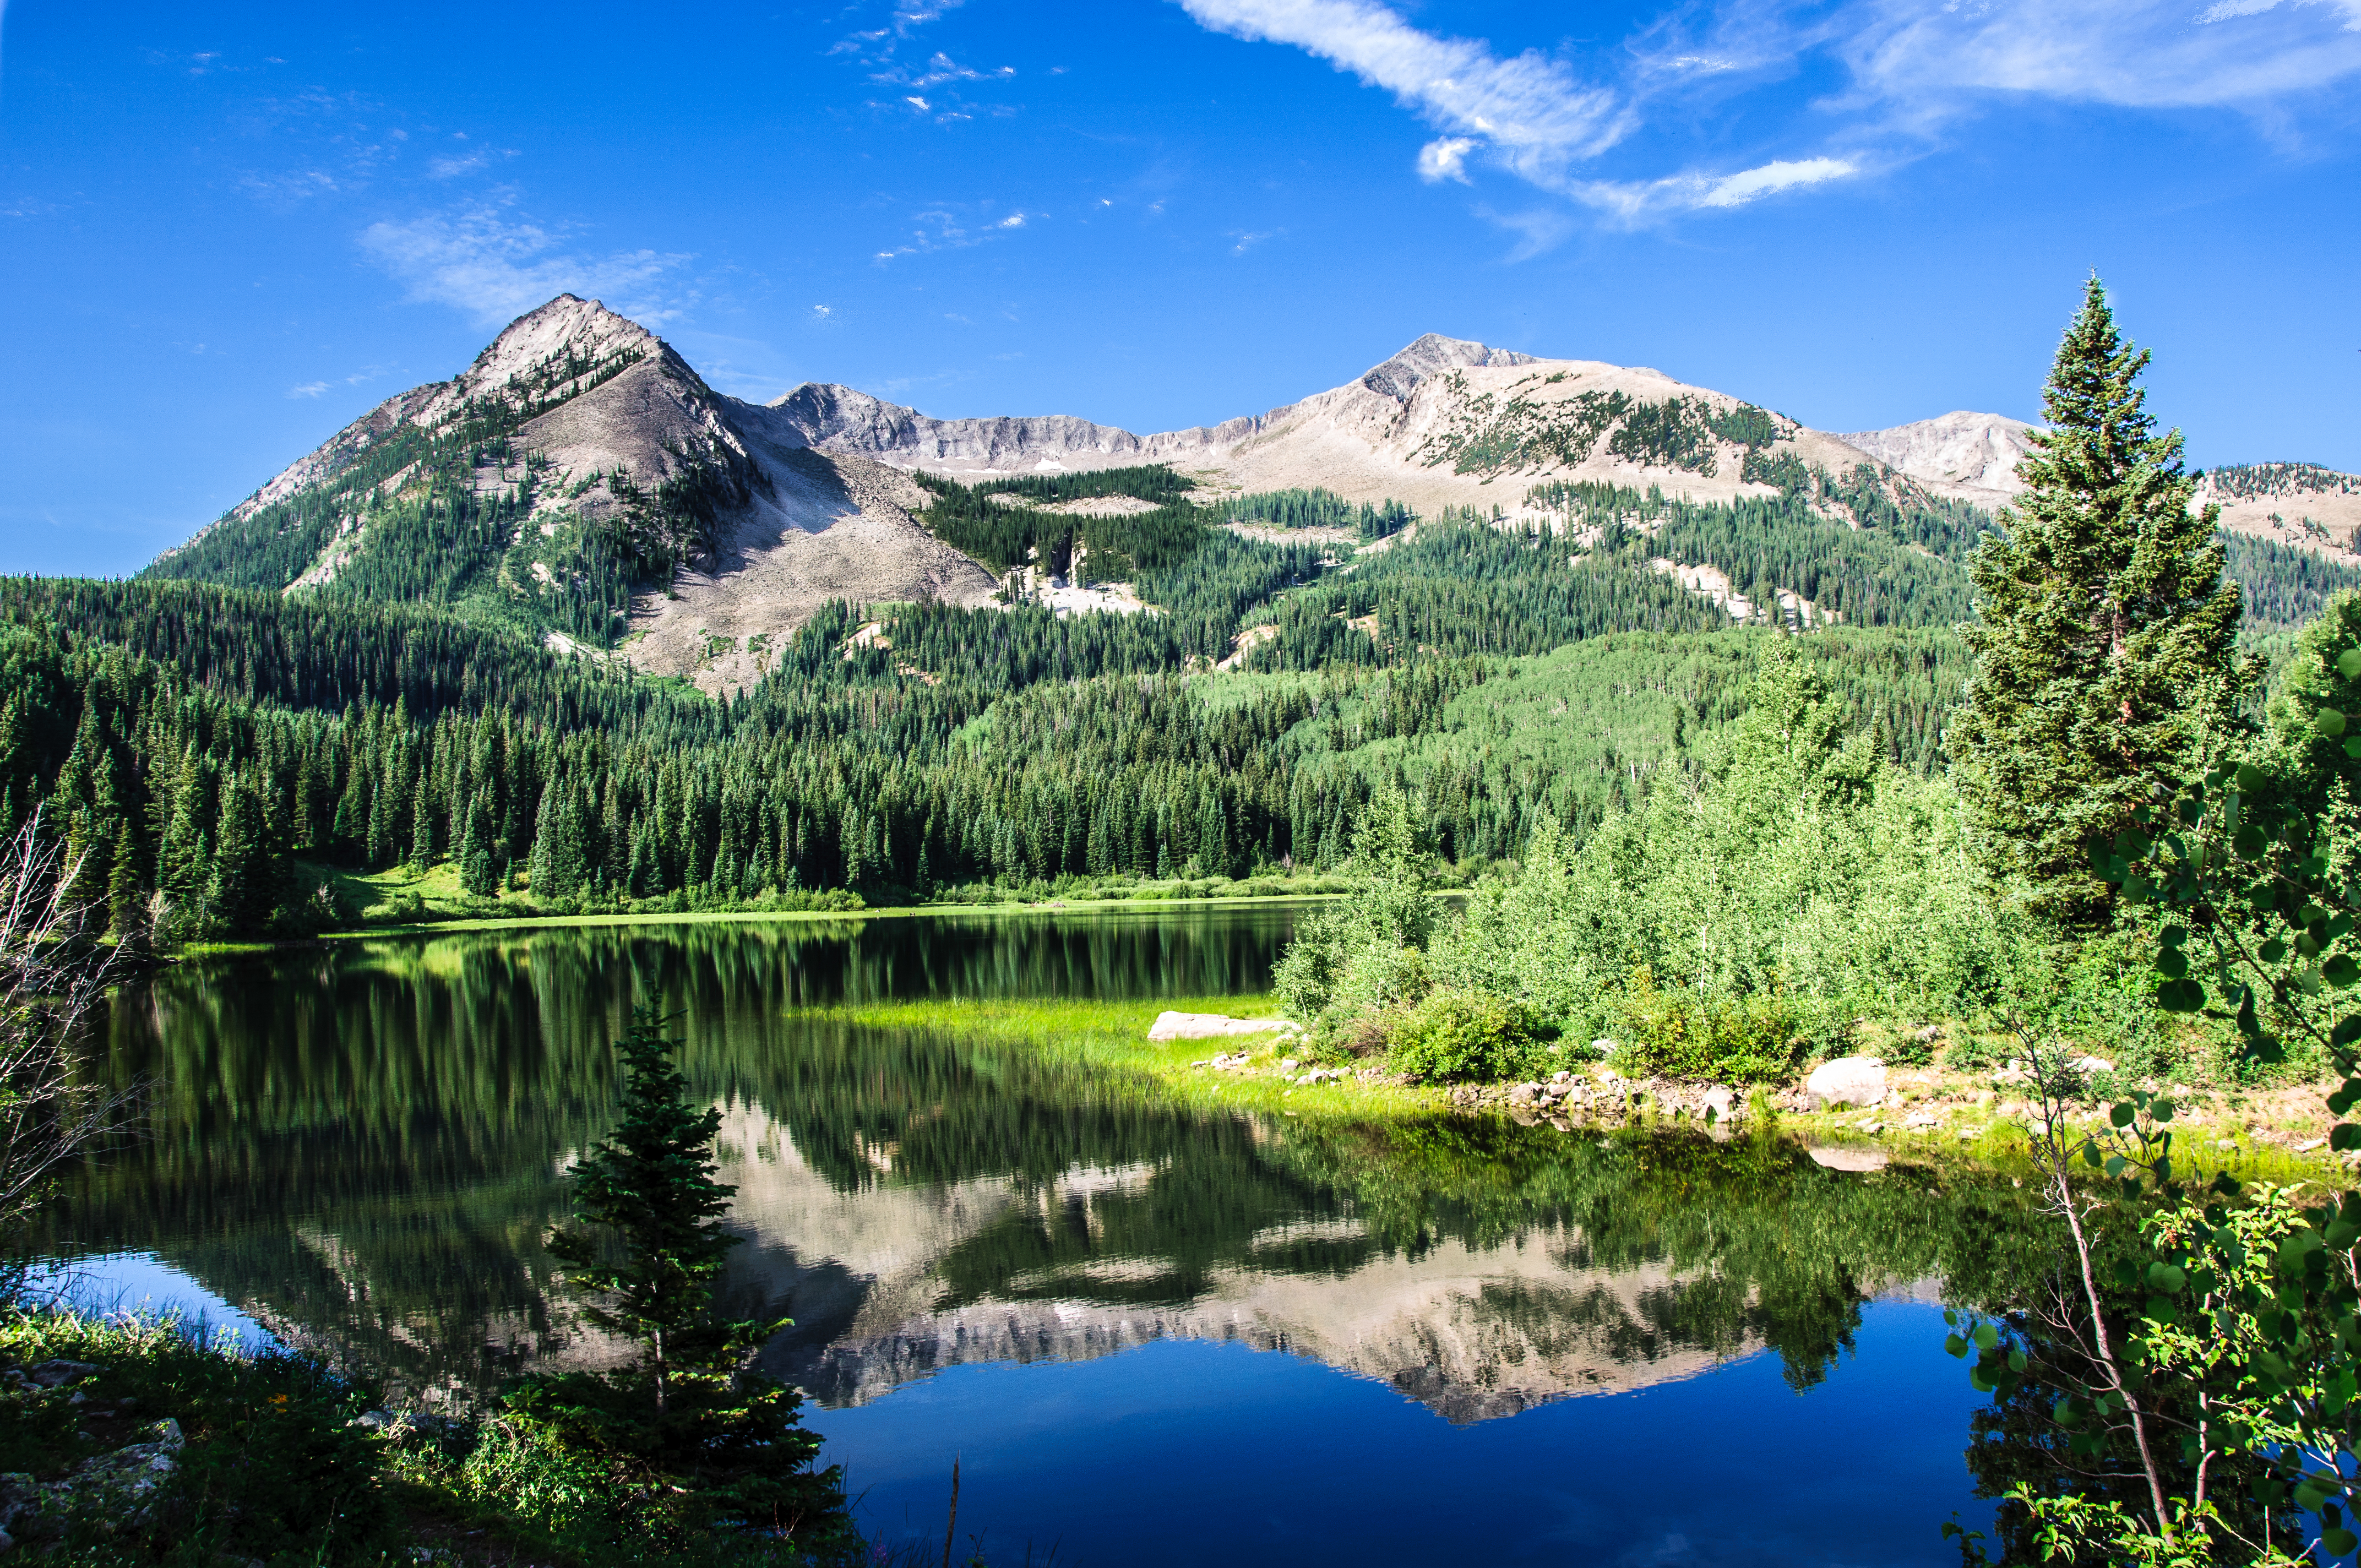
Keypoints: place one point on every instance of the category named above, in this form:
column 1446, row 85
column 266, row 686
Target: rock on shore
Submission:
column 1213, row 1026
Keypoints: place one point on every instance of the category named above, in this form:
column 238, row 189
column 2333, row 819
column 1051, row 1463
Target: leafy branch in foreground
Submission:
column 2148, row 1368
column 2249, row 870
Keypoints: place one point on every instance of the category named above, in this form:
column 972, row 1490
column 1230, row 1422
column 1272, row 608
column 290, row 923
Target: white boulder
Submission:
column 1213, row 1026
column 1848, row 1080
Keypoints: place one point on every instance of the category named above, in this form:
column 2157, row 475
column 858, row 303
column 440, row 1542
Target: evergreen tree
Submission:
column 651, row 1188
column 2105, row 633
column 690, row 1436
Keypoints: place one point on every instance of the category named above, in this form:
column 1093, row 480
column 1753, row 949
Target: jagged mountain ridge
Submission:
column 1424, row 426
column 1972, row 451
column 581, row 426
column 2299, row 504
column 586, row 454
column 863, row 1273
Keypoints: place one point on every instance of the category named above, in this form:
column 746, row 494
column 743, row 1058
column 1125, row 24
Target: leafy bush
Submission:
column 1368, row 953
column 718, row 1451
column 1454, row 1036
column 1750, row 1039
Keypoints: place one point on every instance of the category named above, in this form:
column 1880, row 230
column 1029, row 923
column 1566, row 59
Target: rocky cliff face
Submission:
column 2300, row 504
column 1442, row 423
column 759, row 513
column 1971, row 451
column 609, row 428
column 838, row 418
column 1975, row 455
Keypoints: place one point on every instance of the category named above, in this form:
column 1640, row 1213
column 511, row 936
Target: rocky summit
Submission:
column 582, row 481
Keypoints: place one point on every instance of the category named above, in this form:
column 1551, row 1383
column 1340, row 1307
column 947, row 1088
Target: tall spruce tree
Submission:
column 2105, row 632
column 691, row 1438
column 652, row 1243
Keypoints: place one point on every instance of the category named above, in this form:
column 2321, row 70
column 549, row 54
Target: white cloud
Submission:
column 289, row 185
column 1530, row 115
column 495, row 267
column 1910, row 71
column 1544, row 228
column 942, row 68
column 920, row 104
column 878, row 43
column 319, row 389
column 1632, row 201
column 452, row 168
column 1533, row 111
column 1445, row 157
column 1737, row 190
column 955, row 228
column 1926, row 60
column 822, row 312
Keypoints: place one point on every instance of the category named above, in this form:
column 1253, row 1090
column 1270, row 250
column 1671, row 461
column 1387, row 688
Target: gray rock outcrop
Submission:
column 1848, row 1080
column 1976, row 451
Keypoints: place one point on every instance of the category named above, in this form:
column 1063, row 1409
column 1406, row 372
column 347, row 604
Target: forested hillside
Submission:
column 211, row 749
column 197, row 743
column 458, row 513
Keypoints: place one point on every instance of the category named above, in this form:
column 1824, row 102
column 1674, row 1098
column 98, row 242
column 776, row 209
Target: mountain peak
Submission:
column 1431, row 355
column 1962, row 447
column 568, row 329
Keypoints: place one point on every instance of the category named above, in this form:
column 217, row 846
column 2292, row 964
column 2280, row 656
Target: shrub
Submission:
column 1748, row 1040
column 1456, row 1037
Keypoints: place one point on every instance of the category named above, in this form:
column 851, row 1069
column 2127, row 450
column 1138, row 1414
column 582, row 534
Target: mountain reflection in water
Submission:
column 362, row 1146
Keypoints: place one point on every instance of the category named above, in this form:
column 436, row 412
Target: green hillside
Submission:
column 214, row 750
column 437, row 516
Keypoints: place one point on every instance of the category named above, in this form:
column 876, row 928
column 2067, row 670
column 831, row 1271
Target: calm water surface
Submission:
column 1151, row 1336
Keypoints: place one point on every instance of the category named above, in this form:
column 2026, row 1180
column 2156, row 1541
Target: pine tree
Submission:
column 651, row 1186
column 126, row 906
column 692, row 1436
column 2105, row 633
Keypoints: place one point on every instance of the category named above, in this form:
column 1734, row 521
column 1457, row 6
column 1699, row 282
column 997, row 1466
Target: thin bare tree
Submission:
column 53, row 979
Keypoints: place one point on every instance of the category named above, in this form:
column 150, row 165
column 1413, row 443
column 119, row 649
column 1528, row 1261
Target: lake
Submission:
column 1149, row 1334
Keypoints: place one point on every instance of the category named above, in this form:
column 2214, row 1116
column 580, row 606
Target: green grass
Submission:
column 273, row 1471
column 2001, row 1144
column 1113, row 1036
column 404, row 900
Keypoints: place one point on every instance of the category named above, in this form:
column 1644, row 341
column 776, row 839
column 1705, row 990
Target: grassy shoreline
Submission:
column 750, row 916
column 1113, row 1036
column 405, row 900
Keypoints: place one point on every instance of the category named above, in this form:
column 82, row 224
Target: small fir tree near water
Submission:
column 2105, row 642
column 688, row 1436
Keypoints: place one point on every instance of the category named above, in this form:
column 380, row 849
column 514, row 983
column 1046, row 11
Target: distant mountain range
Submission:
column 580, row 464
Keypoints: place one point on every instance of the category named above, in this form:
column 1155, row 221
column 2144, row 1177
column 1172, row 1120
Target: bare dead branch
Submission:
column 53, row 979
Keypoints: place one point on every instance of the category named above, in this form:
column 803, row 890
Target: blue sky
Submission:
column 225, row 230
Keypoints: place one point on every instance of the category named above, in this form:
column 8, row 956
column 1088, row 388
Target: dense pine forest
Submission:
column 218, row 754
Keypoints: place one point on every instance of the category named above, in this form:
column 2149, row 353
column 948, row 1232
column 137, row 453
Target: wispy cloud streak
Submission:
column 1911, row 70
column 495, row 266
